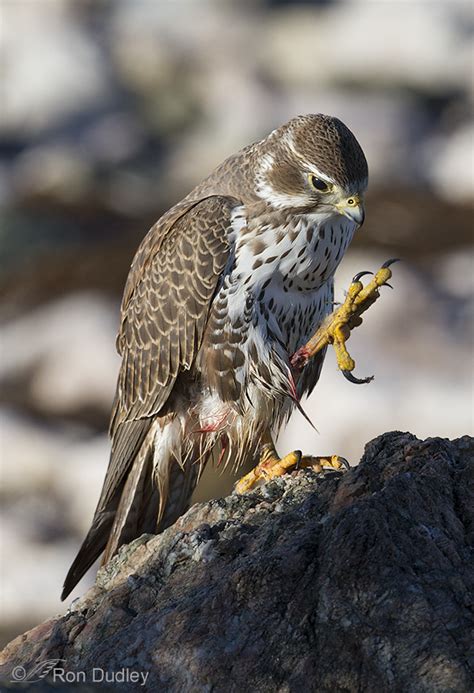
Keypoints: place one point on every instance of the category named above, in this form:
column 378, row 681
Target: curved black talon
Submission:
column 344, row 462
column 390, row 262
column 357, row 381
column 387, row 284
column 298, row 461
column 357, row 276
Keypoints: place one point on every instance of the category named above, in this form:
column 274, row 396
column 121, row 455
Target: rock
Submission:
column 352, row 582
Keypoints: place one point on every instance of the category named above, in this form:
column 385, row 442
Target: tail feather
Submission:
column 181, row 483
column 90, row 550
column 151, row 496
column 128, row 521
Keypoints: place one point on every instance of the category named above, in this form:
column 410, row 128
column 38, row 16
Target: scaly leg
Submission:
column 336, row 329
column 271, row 465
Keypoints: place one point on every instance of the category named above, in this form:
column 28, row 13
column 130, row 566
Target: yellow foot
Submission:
column 336, row 329
column 320, row 463
column 271, row 466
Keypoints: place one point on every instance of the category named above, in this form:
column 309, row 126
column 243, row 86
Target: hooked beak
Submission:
column 353, row 209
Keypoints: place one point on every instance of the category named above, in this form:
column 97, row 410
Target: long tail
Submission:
column 145, row 490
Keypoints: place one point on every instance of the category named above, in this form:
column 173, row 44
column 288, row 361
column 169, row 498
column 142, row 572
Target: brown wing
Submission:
column 165, row 308
column 166, row 305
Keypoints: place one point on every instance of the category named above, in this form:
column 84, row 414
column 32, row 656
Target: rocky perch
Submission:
column 337, row 583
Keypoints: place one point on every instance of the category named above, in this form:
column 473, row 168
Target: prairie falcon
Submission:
column 223, row 290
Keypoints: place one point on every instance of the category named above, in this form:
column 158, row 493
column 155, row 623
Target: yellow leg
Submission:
column 271, row 466
column 336, row 329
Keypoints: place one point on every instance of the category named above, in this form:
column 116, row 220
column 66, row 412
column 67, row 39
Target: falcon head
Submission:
column 313, row 164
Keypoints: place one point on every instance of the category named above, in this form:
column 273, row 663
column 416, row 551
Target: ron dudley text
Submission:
column 99, row 675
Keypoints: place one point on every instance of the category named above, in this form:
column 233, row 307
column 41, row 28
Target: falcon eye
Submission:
column 319, row 184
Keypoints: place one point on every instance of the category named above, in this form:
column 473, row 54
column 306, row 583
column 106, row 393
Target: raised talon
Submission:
column 357, row 381
column 357, row 277
column 387, row 263
column 337, row 327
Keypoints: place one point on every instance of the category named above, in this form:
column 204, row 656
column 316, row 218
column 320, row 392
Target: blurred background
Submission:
column 110, row 112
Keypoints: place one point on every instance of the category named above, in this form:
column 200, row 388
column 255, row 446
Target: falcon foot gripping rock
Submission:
column 271, row 466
